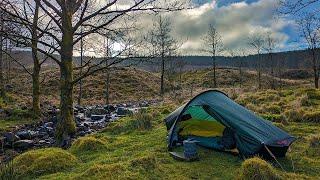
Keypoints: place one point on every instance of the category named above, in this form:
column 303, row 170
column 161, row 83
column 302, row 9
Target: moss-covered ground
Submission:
column 125, row 150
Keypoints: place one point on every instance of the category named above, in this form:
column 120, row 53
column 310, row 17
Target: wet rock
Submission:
column 50, row 131
column 23, row 144
column 24, row 134
column 98, row 111
column 109, row 108
column 48, row 124
column 97, row 117
column 10, row 137
column 81, row 133
column 82, row 128
column 122, row 111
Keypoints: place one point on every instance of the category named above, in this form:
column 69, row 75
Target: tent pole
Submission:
column 273, row 156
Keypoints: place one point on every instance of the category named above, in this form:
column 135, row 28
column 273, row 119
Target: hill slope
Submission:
column 126, row 85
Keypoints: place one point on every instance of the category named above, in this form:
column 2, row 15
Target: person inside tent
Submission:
column 210, row 134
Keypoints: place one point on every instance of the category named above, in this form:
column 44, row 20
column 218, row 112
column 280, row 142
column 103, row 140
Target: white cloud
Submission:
column 235, row 22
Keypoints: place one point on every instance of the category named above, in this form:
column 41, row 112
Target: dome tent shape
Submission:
column 252, row 134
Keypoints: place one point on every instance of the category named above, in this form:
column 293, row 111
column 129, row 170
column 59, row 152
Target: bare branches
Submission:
column 18, row 62
column 295, row 6
column 212, row 41
column 309, row 26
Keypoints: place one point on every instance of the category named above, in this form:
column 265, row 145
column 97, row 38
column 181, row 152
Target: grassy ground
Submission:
column 132, row 149
column 12, row 115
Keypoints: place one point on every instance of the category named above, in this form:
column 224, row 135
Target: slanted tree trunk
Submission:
column 66, row 124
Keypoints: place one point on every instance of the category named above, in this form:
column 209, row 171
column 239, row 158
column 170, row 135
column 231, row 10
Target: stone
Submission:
column 24, row 134
column 81, row 133
column 97, row 117
column 48, row 124
column 50, row 131
column 10, row 137
column 122, row 111
column 23, row 144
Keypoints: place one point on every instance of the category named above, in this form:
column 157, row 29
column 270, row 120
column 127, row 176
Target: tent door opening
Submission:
column 196, row 123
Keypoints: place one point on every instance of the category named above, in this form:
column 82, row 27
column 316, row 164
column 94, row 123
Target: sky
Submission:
column 236, row 21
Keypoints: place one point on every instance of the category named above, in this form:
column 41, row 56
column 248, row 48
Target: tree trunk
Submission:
column 36, row 65
column 36, row 91
column 81, row 64
column 108, row 87
column 259, row 72
column 66, row 124
column 162, row 75
column 240, row 73
column 273, row 84
column 2, row 89
column 315, row 69
column 214, row 72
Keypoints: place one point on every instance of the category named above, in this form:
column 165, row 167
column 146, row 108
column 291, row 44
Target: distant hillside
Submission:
column 299, row 59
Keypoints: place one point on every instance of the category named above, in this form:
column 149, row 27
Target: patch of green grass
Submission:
column 16, row 117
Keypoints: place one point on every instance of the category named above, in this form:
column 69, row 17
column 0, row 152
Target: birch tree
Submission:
column 213, row 46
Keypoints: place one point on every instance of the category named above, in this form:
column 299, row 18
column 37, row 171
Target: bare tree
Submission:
column 163, row 44
column 310, row 30
column 28, row 22
column 213, row 46
column 257, row 42
column 270, row 45
column 239, row 55
column 66, row 18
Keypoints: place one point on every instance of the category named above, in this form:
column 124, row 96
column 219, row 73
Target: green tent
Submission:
column 211, row 112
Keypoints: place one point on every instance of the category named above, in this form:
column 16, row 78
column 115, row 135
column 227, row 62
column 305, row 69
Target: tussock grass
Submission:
column 87, row 144
column 43, row 161
column 257, row 169
column 314, row 146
